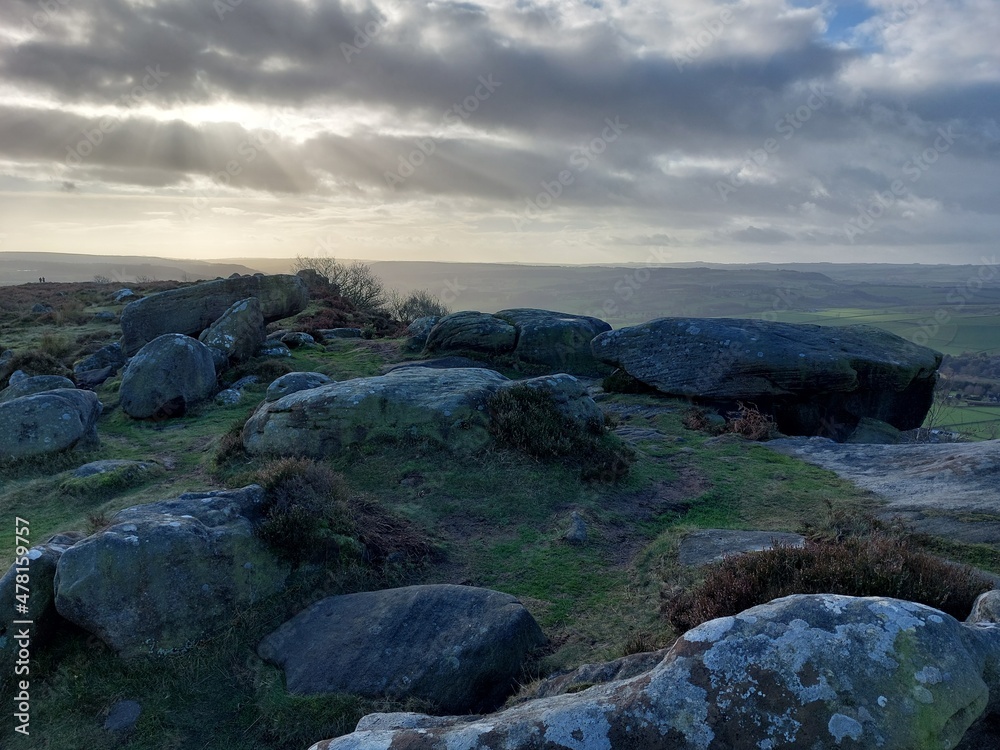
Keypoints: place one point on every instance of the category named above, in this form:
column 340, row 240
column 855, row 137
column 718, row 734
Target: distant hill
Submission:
column 23, row 268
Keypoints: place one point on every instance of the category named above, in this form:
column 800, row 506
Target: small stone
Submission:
column 123, row 716
column 577, row 533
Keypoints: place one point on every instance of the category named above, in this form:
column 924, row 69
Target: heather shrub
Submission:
column 749, row 422
column 527, row 420
column 880, row 565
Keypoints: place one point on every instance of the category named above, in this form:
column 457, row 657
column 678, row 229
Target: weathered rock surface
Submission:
column 239, row 332
column 558, row 340
column 163, row 576
column 293, row 382
column 475, row 331
column 107, row 356
column 813, row 379
column 40, row 564
column 946, row 489
column 588, row 675
column 458, row 646
column 817, row 671
column 437, row 363
column 340, row 333
column 167, row 376
column 986, row 608
column 48, row 422
column 190, row 310
column 418, row 331
column 445, row 407
column 712, row 545
column 36, row 384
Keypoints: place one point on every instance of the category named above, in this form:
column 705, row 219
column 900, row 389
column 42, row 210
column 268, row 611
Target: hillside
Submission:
column 497, row 518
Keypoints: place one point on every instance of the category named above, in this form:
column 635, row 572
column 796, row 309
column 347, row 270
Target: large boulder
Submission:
column 48, row 422
column 460, row 647
column 810, row 671
column 192, row 309
column 815, row 380
column 239, row 332
column 445, row 407
column 168, row 375
column 166, row 575
column 35, row 384
column 558, row 340
column 475, row 331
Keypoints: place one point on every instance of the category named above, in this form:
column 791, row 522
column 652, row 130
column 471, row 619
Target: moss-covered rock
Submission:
column 168, row 375
column 557, row 340
column 164, row 576
column 48, row 422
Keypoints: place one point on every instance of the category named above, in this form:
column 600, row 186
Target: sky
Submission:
column 530, row 131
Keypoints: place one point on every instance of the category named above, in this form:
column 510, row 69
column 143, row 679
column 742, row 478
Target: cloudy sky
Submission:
column 540, row 131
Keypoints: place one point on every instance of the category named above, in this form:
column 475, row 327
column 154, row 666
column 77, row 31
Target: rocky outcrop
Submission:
column 557, row 340
column 168, row 375
column 35, row 384
column 293, row 382
column 192, row 309
column 815, row 380
column 444, row 407
column 239, row 332
column 471, row 330
column 817, row 671
column 166, row 575
column 460, row 647
column 437, row 363
column 48, row 422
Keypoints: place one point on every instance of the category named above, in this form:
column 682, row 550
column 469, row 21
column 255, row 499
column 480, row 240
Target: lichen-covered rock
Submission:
column 986, row 609
column 475, row 331
column 446, row 407
column 809, row 671
column 166, row 575
column 239, row 332
column 37, row 566
column 293, row 382
column 107, row 356
column 297, row 339
column 167, row 376
column 815, row 380
column 417, row 332
column 36, row 384
column 48, row 422
column 458, row 646
column 192, row 309
column 558, row 340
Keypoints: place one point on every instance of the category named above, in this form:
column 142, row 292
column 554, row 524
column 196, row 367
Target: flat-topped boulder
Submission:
column 35, row 384
column 815, row 380
column 192, row 309
column 460, row 647
column 445, row 407
column 810, row 671
column 163, row 576
column 48, row 422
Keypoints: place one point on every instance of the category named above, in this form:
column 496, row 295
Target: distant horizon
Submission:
column 542, row 132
